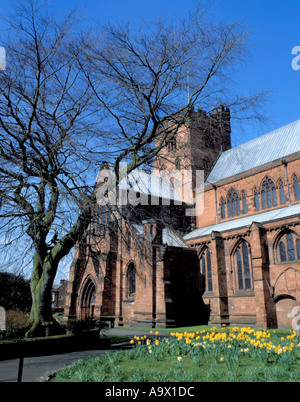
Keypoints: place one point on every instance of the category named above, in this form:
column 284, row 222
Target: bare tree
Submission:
column 70, row 100
column 155, row 75
column 47, row 124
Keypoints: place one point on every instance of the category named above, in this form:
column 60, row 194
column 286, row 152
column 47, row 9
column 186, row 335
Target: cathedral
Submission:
column 237, row 262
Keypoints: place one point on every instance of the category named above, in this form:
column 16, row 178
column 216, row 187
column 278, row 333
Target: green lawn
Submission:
column 217, row 354
column 123, row 366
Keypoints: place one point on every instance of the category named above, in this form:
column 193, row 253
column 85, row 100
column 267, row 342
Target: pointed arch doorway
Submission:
column 88, row 299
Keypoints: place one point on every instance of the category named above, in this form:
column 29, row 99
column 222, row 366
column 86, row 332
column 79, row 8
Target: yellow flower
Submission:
column 132, row 341
column 156, row 342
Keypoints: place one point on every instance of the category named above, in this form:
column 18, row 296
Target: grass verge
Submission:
column 217, row 355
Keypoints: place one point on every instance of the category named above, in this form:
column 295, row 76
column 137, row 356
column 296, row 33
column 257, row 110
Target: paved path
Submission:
column 36, row 369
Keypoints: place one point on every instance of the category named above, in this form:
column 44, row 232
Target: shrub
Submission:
column 14, row 292
column 17, row 319
column 17, row 323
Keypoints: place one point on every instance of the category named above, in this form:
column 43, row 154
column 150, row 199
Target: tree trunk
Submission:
column 42, row 320
column 45, row 264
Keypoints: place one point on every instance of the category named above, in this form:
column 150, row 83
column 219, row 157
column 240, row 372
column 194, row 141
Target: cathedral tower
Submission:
column 197, row 143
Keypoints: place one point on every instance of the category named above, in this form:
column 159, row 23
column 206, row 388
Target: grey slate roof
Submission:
column 264, row 149
column 150, row 184
column 273, row 215
column 169, row 236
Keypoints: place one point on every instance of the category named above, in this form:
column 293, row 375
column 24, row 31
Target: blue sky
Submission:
column 274, row 28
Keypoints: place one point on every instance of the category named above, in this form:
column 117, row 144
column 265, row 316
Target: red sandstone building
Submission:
column 237, row 263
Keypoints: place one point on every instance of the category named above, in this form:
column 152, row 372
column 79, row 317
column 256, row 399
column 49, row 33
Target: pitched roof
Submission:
column 267, row 148
column 169, row 236
column 150, row 184
column 276, row 214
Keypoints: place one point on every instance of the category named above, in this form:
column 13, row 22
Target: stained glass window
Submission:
column 243, row 266
column 205, row 264
column 233, row 203
column 268, row 193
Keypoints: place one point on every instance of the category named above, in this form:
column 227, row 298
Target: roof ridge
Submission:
column 262, row 156
column 263, row 135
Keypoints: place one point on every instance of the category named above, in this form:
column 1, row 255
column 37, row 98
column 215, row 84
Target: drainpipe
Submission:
column 284, row 162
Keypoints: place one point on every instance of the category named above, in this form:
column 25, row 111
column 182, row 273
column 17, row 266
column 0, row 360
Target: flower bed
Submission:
column 210, row 355
column 225, row 346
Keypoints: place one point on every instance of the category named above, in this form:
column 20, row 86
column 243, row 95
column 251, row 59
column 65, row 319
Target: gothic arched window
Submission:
column 244, row 202
column 233, row 203
column 131, row 279
column 281, row 191
column 282, row 252
column 223, row 208
column 172, row 144
column 256, row 198
column 288, row 247
column 205, row 267
column 296, row 187
column 128, row 240
column 268, row 193
column 242, row 258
